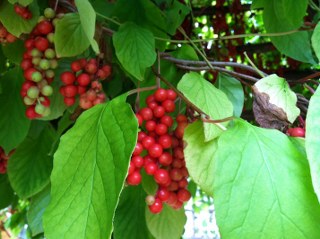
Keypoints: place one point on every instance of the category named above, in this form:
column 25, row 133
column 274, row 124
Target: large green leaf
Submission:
column 209, row 99
column 13, row 123
column 286, row 15
column 14, row 51
column 37, row 206
column 90, row 167
column 262, row 186
column 70, row 38
column 88, row 21
column 280, row 94
column 316, row 41
column 130, row 219
column 15, row 24
column 234, row 91
column 313, row 140
column 22, row 2
column 167, row 224
column 199, row 156
column 136, row 54
column 6, row 192
column 30, row 167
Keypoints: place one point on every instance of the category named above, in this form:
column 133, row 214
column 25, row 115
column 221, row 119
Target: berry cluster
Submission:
column 22, row 11
column 84, row 80
column 5, row 36
column 4, row 160
column 39, row 61
column 159, row 151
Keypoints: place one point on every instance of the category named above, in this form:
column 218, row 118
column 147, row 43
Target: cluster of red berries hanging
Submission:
column 84, row 80
column 159, row 151
column 22, row 11
column 39, row 61
column 4, row 160
column 5, row 36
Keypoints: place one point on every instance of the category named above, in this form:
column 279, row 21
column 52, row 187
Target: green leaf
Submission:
column 175, row 16
column 15, row 24
column 234, row 91
column 279, row 94
column 90, row 167
column 199, row 156
column 30, row 167
column 21, row 2
column 283, row 16
column 6, row 192
column 68, row 32
column 130, row 219
column 262, row 186
column 167, row 224
column 209, row 99
column 13, row 123
column 14, row 51
column 37, row 206
column 88, row 21
column 313, row 140
column 315, row 39
column 138, row 53
column 149, row 185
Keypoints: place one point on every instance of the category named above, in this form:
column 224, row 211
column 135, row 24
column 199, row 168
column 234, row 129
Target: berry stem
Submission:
column 138, row 90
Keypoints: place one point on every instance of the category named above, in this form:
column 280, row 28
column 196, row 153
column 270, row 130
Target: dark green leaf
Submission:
column 30, row 167
column 6, row 192
column 14, row 51
column 37, row 206
column 13, row 122
column 149, row 185
column 262, row 186
column 90, row 168
column 15, row 24
column 167, row 224
column 234, row 91
column 316, row 41
column 22, row 2
column 138, row 53
column 68, row 33
column 130, row 220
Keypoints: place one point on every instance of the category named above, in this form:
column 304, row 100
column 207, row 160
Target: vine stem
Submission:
column 309, row 88
column 253, row 65
column 108, row 19
column 138, row 90
column 203, row 115
column 56, row 5
column 158, row 71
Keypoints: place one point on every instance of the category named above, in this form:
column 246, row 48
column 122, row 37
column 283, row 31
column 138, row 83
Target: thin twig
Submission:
column 138, row 90
column 309, row 88
column 158, row 71
column 253, row 65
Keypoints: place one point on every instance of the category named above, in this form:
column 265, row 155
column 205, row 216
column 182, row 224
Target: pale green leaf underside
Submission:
column 316, row 41
column 263, row 187
column 280, row 95
column 209, row 99
column 90, row 167
column 167, row 224
column 135, row 49
column 313, row 140
column 199, row 156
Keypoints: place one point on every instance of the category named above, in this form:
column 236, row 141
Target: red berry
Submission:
column 156, row 207
column 158, row 111
column 138, row 149
column 171, row 95
column 83, row 79
column 161, row 129
column 174, row 186
column 177, row 205
column 296, row 132
column 165, row 159
column 148, row 141
column 165, row 141
column 91, row 68
column 28, row 73
column 183, row 183
column 183, row 195
column 138, row 161
column 146, row 113
column 29, row 44
column 67, row 77
column 25, row 64
column 163, row 194
column 107, row 70
column 31, row 113
column 150, row 167
column 152, row 105
column 155, row 150
column 70, row 90
column 134, row 178
column 167, row 120
column 178, row 163
column 178, row 153
column 139, row 118
column 69, row 101
column 76, row 66
column 172, row 198
column 160, row 95
column 141, row 136
column 161, row 176
column 181, row 118
column 81, row 89
column 150, row 99
column 132, row 168
column 41, row 43
column 169, row 106
column 151, row 125
column 176, row 174
column 45, row 27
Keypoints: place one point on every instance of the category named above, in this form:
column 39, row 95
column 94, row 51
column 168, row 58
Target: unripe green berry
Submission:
column 44, row 64
column 50, row 37
column 28, row 101
column 33, row 92
column 46, row 112
column 53, row 64
column 39, row 109
column 41, row 18
column 49, row 13
column 50, row 53
column 49, row 73
column 42, row 84
column 36, row 60
column 55, row 21
column 47, row 90
column 36, row 76
column 35, row 52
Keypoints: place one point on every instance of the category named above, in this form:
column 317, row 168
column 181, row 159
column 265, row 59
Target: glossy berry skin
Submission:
column 165, row 159
column 183, row 195
column 150, row 168
column 161, row 176
column 156, row 207
column 67, row 77
column 155, row 150
column 296, row 132
column 134, row 178
column 83, row 79
column 138, row 161
column 163, row 194
column 160, row 95
column 146, row 113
